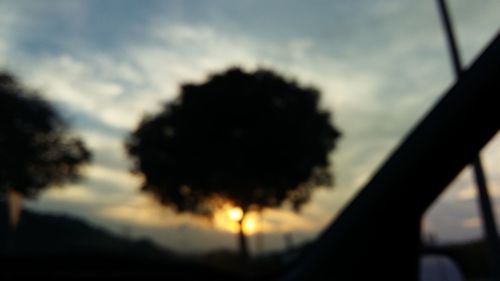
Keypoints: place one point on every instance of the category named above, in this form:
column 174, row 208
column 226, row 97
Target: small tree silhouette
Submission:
column 36, row 149
column 255, row 139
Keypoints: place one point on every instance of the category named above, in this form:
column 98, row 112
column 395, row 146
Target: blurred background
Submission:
column 380, row 65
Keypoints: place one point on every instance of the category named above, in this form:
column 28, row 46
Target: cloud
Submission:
column 475, row 23
column 456, row 214
column 140, row 211
column 7, row 21
column 116, row 177
column 472, row 223
column 72, row 193
column 377, row 79
column 471, row 192
column 85, row 86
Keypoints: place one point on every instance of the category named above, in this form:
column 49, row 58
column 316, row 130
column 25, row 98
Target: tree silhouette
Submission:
column 255, row 139
column 36, row 149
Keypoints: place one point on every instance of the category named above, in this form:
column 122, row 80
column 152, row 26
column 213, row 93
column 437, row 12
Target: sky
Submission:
column 380, row 66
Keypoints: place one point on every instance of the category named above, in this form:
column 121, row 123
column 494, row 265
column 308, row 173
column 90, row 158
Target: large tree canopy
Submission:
column 36, row 149
column 252, row 138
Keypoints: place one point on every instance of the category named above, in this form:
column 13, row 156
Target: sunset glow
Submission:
column 228, row 217
column 377, row 81
column 235, row 214
column 249, row 226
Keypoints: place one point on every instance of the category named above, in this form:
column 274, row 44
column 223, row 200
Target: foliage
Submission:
column 256, row 139
column 36, row 149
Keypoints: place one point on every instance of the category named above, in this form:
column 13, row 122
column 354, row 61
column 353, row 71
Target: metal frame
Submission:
column 378, row 235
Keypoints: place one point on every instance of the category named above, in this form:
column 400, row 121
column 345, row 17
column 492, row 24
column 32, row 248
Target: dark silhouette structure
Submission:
column 255, row 139
column 378, row 235
column 488, row 215
column 74, row 249
column 36, row 149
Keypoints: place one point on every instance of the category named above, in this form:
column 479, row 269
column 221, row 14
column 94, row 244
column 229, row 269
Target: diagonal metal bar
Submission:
column 489, row 223
column 378, row 235
column 450, row 38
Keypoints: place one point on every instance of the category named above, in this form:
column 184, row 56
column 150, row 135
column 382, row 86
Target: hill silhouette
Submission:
column 67, row 248
column 47, row 234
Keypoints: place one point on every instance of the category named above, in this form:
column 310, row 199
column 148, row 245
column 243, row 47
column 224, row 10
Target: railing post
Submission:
column 488, row 216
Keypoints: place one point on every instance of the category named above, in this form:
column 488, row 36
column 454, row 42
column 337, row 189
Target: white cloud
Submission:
column 140, row 210
column 119, row 178
column 118, row 91
column 376, row 95
column 71, row 193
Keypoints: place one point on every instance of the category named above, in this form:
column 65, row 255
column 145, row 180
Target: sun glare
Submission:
column 235, row 213
column 229, row 216
column 249, row 226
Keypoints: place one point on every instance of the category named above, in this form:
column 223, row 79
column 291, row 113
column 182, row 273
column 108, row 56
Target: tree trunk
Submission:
column 243, row 241
column 14, row 207
column 8, row 246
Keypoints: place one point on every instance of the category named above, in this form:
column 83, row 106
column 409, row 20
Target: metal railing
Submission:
column 487, row 214
column 377, row 236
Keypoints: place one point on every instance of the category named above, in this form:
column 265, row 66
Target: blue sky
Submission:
column 379, row 64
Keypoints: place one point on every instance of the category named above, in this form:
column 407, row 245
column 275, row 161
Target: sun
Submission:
column 235, row 213
column 228, row 218
column 249, row 226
